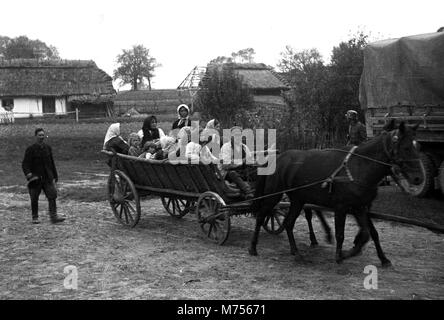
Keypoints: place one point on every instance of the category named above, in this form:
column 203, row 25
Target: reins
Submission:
column 344, row 165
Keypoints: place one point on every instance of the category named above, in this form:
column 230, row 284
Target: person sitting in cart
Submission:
column 113, row 141
column 356, row 130
column 228, row 163
column 134, row 145
column 150, row 131
column 199, row 152
column 183, row 115
column 150, row 150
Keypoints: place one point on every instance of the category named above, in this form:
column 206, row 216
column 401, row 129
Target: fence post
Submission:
column 77, row 114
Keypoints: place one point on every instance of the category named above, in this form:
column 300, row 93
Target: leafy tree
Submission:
column 135, row 65
column 244, row 55
column 241, row 56
column 22, row 47
column 221, row 59
column 347, row 62
column 307, row 74
column 224, row 96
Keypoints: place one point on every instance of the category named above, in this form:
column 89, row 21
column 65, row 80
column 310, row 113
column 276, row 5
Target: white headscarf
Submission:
column 113, row 131
column 182, row 120
column 210, row 131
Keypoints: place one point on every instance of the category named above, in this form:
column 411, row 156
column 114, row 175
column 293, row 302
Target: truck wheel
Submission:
column 428, row 170
column 441, row 177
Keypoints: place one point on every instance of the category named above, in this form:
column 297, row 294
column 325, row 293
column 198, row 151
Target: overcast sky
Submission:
column 184, row 34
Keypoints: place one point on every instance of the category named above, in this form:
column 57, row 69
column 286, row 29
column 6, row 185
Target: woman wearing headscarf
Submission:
column 134, row 145
column 113, row 140
column 150, row 132
column 183, row 115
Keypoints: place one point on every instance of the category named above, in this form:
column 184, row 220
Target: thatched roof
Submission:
column 257, row 76
column 79, row 80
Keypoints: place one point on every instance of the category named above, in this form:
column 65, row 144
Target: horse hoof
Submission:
column 386, row 263
column 339, row 260
column 329, row 239
column 314, row 244
column 252, row 252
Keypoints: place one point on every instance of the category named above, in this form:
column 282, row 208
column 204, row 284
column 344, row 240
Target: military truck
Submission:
column 404, row 79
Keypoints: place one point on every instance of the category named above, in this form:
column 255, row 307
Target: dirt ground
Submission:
column 166, row 258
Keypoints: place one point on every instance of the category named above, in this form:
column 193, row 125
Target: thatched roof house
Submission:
column 36, row 87
column 157, row 102
column 262, row 79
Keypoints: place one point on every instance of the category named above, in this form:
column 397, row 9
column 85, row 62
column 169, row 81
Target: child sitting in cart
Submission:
column 149, row 151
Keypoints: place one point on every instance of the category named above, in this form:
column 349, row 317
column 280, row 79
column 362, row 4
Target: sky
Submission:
column 185, row 34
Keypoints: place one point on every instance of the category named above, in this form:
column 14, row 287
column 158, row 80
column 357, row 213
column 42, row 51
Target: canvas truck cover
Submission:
column 404, row 71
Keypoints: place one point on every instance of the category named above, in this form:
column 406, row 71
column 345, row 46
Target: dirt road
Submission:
column 165, row 258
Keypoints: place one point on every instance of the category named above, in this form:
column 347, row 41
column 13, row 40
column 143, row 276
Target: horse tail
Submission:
column 258, row 192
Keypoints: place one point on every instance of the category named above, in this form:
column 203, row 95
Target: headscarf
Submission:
column 210, row 131
column 149, row 133
column 113, row 131
column 182, row 120
column 167, row 143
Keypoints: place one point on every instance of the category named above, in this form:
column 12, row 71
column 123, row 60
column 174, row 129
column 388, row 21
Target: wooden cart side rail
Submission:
column 164, row 175
column 168, row 192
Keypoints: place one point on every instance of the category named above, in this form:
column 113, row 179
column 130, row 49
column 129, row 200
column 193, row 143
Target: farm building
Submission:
column 161, row 102
column 267, row 87
column 35, row 87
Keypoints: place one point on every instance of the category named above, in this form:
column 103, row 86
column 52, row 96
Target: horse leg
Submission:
column 339, row 233
column 266, row 207
column 308, row 216
column 375, row 237
column 325, row 226
column 363, row 235
column 295, row 211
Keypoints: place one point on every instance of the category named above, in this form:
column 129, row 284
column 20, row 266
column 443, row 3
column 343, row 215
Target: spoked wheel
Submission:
column 274, row 224
column 123, row 198
column 177, row 207
column 214, row 221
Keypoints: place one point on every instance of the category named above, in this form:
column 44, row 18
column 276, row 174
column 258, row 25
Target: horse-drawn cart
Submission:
column 183, row 188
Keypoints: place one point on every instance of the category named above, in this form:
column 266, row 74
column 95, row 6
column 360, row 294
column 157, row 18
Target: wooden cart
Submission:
column 183, row 188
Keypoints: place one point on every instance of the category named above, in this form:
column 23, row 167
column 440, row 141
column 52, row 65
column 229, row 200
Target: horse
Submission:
column 345, row 180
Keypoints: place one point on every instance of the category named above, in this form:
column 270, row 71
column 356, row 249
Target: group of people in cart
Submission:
column 151, row 142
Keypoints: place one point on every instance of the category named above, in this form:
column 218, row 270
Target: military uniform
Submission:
column 356, row 134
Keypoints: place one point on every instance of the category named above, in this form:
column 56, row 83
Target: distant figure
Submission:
column 440, row 29
column 113, row 141
column 356, row 130
column 183, row 115
column 150, row 131
column 41, row 173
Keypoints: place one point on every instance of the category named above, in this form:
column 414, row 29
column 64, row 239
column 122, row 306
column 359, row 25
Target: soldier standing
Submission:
column 356, row 130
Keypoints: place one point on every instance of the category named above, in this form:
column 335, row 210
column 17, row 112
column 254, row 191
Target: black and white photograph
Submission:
column 224, row 155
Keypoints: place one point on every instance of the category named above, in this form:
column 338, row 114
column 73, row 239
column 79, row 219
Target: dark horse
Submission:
column 344, row 180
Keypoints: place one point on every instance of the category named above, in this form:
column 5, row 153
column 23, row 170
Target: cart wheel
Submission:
column 275, row 224
column 123, row 198
column 213, row 219
column 177, row 207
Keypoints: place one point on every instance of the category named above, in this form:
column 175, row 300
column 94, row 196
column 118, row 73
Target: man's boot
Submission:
column 53, row 212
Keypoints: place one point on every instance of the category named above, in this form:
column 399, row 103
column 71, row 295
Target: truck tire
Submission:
column 441, row 177
column 428, row 170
